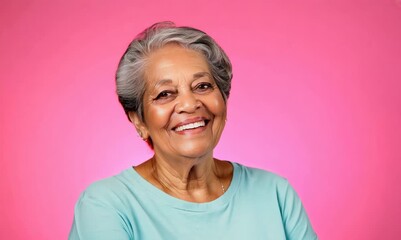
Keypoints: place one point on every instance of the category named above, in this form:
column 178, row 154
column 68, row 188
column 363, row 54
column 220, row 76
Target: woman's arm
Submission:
column 295, row 220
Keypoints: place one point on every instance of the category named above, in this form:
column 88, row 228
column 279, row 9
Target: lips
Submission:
column 191, row 124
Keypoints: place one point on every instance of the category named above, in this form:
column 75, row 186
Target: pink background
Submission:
column 316, row 98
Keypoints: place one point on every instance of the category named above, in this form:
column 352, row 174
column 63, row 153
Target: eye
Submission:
column 164, row 95
column 204, row 87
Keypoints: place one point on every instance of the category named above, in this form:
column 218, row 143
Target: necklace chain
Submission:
column 222, row 187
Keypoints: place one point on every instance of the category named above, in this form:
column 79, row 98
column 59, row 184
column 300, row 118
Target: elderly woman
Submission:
column 173, row 83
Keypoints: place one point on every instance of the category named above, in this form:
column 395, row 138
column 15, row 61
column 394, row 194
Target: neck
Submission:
column 189, row 179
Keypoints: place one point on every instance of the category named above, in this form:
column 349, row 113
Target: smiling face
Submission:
column 184, row 111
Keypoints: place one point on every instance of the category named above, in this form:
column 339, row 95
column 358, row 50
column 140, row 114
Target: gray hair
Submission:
column 130, row 72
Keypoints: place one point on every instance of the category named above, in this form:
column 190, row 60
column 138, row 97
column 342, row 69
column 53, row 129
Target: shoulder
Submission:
column 266, row 183
column 273, row 189
column 109, row 189
column 258, row 176
column 101, row 211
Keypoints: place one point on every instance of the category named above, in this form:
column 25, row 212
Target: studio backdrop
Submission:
column 316, row 98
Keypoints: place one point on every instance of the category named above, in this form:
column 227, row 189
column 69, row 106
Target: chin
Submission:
column 195, row 151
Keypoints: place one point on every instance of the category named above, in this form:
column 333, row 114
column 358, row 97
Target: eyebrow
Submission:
column 195, row 77
column 163, row 82
column 201, row 74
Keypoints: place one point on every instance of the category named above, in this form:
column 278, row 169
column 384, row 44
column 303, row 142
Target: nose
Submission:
column 187, row 103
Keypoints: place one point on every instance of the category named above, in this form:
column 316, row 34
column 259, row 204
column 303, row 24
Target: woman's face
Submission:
column 184, row 111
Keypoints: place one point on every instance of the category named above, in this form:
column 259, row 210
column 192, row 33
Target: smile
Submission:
column 190, row 126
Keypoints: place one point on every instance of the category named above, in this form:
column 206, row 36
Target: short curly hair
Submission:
column 130, row 72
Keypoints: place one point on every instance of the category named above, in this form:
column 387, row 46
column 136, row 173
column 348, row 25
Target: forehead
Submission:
column 173, row 62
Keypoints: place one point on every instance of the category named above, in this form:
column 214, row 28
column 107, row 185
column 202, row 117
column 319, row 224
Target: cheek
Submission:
column 158, row 117
column 218, row 106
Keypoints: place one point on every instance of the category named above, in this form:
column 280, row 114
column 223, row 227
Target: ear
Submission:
column 139, row 125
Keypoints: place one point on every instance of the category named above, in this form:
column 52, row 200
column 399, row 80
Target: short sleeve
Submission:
column 295, row 220
column 94, row 219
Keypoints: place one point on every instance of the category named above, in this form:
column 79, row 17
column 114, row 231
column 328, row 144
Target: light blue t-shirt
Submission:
column 257, row 205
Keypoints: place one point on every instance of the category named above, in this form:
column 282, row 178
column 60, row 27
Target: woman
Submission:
column 173, row 83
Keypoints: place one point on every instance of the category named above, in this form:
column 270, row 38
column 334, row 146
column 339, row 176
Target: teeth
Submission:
column 190, row 126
